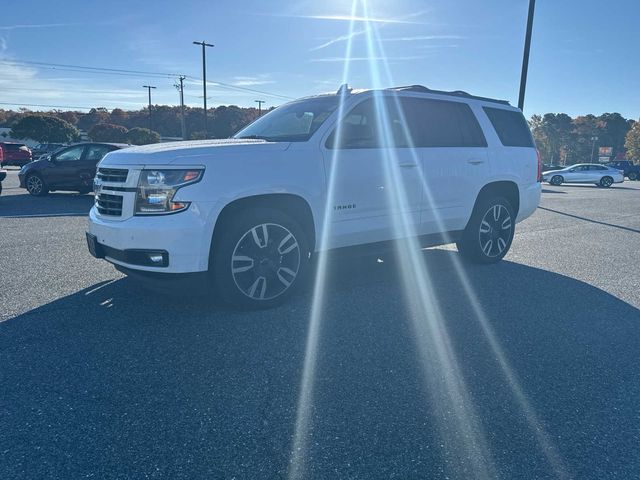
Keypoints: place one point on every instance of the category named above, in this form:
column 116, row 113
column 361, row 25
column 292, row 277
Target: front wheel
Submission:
column 489, row 233
column 633, row 176
column 259, row 258
column 35, row 185
column 606, row 182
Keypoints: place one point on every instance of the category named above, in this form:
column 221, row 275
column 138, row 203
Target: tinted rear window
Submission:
column 511, row 127
column 438, row 123
column 13, row 146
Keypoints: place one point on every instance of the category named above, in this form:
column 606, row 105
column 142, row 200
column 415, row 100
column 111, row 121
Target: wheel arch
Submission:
column 291, row 204
column 505, row 188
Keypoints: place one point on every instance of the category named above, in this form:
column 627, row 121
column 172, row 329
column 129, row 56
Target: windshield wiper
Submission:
column 256, row 137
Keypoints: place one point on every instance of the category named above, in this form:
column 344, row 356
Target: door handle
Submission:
column 475, row 162
column 408, row 165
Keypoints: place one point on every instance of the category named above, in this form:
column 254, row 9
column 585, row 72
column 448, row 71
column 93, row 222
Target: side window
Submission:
column 96, row 152
column 440, row 123
column 72, row 154
column 511, row 127
column 357, row 128
column 410, row 122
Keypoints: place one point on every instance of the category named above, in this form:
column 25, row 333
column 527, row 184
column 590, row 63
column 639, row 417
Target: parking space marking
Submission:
column 46, row 215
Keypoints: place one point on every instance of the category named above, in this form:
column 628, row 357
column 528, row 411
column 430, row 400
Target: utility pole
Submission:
column 525, row 58
column 204, row 83
column 593, row 146
column 180, row 88
column 149, row 87
column 259, row 102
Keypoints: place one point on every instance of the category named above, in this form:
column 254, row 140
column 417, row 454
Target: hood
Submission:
column 546, row 172
column 189, row 152
column 36, row 164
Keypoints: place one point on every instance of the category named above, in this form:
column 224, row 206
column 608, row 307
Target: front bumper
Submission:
column 184, row 240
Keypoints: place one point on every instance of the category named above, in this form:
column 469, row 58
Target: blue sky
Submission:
column 584, row 54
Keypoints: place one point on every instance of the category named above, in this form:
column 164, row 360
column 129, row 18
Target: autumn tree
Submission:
column 44, row 129
column 94, row 117
column 142, row 136
column 107, row 132
column 632, row 142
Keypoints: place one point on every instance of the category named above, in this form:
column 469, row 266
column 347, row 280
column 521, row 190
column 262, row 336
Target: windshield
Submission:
column 294, row 122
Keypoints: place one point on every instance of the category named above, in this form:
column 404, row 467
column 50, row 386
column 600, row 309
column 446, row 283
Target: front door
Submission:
column 373, row 181
column 578, row 174
column 64, row 171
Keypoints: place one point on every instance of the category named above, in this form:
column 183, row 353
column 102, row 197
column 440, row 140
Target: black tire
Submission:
column 264, row 273
column 487, row 239
column 557, row 180
column 606, row 182
column 36, row 185
column 633, row 176
column 0, row 188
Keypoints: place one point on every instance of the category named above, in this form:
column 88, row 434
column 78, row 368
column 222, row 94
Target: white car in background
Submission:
column 600, row 175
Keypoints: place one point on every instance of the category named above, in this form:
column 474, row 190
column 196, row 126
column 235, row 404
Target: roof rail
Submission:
column 456, row 93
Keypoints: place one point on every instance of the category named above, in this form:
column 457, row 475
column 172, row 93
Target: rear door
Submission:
column 87, row 166
column 453, row 153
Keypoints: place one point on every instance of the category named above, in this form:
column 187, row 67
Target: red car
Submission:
column 14, row 154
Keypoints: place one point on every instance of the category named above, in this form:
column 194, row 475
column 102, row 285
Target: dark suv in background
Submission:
column 43, row 149
column 14, row 154
column 71, row 168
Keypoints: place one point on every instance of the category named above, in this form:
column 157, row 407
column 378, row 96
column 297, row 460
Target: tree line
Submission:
column 165, row 120
column 565, row 140
column 559, row 138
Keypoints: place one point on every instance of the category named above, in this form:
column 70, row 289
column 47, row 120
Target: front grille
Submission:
column 118, row 175
column 109, row 204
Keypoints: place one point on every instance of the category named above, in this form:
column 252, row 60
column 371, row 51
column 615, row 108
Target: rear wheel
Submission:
column 606, row 182
column 556, row 180
column 489, row 233
column 633, row 175
column 35, row 185
column 259, row 259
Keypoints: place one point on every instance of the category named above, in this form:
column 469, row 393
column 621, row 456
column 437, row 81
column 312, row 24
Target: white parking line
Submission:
column 66, row 214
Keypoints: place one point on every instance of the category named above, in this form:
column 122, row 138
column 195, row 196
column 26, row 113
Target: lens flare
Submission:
column 305, row 396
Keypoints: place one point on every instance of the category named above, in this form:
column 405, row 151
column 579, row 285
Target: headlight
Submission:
column 156, row 189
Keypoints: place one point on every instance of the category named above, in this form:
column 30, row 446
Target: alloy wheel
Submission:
column 495, row 230
column 34, row 185
column 606, row 182
column 265, row 261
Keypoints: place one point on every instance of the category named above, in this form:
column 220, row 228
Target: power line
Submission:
column 129, row 73
column 244, row 89
column 47, row 106
column 97, row 69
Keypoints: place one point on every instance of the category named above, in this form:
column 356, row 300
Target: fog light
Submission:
column 156, row 258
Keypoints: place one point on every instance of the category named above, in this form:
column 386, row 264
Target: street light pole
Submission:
column 593, row 146
column 525, row 58
column 259, row 102
column 204, row 83
column 149, row 87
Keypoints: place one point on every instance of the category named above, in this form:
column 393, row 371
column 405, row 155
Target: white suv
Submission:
column 325, row 172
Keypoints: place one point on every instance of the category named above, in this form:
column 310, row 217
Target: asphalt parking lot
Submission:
column 102, row 379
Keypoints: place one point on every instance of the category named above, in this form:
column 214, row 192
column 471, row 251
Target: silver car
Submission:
column 600, row 175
